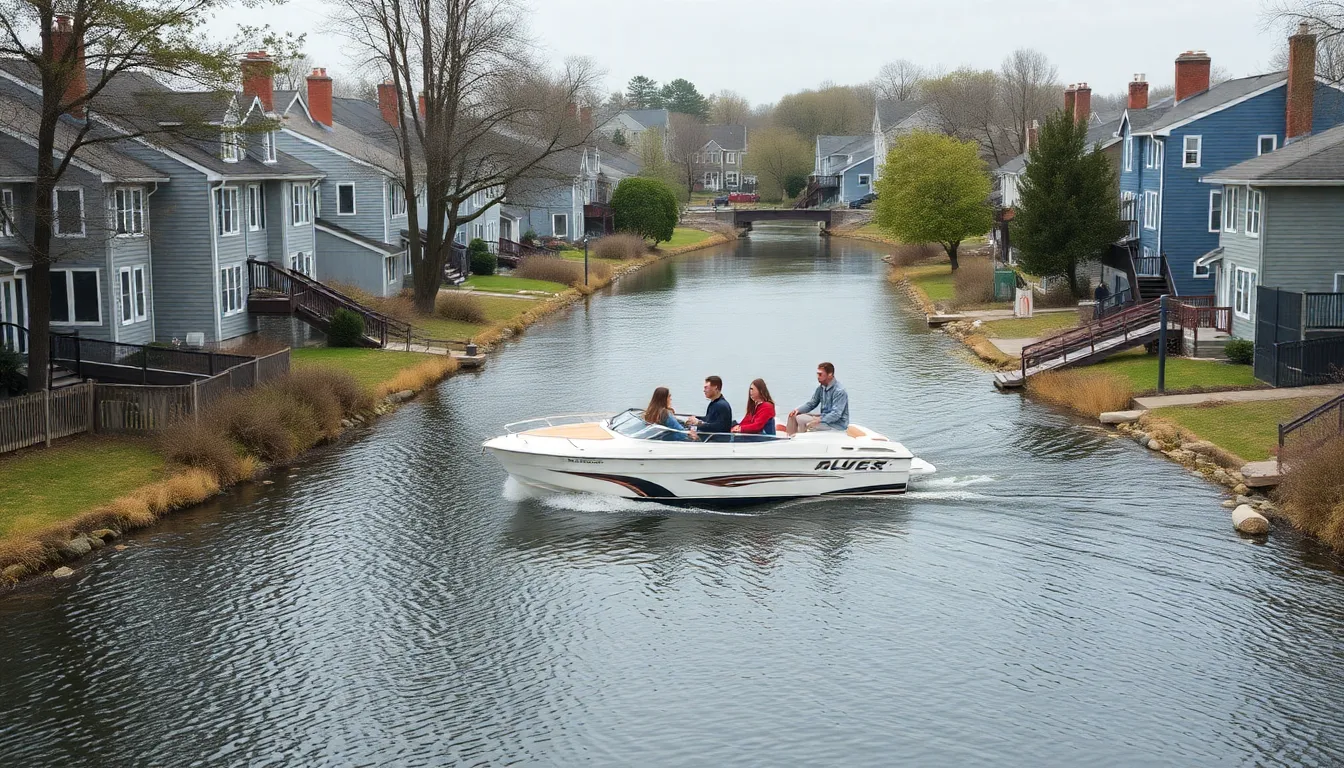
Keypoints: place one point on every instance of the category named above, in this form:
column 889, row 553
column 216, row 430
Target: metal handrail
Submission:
column 1308, row 419
column 324, row 300
column 1114, row 302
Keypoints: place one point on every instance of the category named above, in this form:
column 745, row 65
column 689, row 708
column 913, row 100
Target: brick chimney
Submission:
column 1082, row 103
column 1192, row 74
column 258, row 78
column 389, row 104
column 1070, row 94
column 319, row 96
column 1138, row 92
column 62, row 37
column 1301, row 83
column 1033, row 135
column 422, row 106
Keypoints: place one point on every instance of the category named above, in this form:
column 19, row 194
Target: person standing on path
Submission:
column 833, row 401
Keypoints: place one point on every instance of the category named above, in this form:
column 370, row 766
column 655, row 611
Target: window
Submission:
column 864, row 179
column 256, row 207
column 6, row 213
column 478, row 231
column 396, row 199
column 1266, row 144
column 76, row 297
column 1339, row 282
column 714, row 158
column 1129, row 153
column 1129, row 206
column 226, row 211
column 1150, row 210
column 560, row 225
column 1150, row 153
column 731, row 178
column 1231, row 199
column 730, row 158
column 231, row 146
column 1254, row 201
column 299, row 202
column 231, row 290
column 302, row 262
column 345, row 199
column 390, row 269
column 695, row 158
column 132, row 295
column 130, row 211
column 1245, row 293
column 69, row 213
column 1192, row 149
column 268, row 147
column 1215, row 210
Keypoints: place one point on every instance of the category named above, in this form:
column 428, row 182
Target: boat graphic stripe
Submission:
column 640, row 487
column 736, row 481
column 872, row 490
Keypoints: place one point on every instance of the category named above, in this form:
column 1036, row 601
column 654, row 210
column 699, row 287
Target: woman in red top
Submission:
column 760, row 418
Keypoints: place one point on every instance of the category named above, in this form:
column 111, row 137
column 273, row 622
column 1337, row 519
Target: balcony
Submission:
column 816, row 181
column 1323, row 311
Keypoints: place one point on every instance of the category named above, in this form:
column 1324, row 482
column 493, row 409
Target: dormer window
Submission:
column 231, row 146
column 268, row 146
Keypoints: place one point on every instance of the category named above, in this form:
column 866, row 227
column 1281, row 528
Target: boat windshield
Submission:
column 631, row 423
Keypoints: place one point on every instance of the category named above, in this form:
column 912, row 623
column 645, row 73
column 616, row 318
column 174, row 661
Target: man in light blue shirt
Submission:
column 834, row 402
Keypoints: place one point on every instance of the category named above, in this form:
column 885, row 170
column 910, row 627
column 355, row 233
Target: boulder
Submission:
column 1246, row 500
column 1229, row 504
column 63, row 572
column 95, row 542
column 1140, row 437
column 1241, row 489
column 1247, row 520
column 1120, row 417
column 1153, row 445
column 15, row 572
column 106, row 534
column 400, row 397
column 77, row 547
column 1221, row 477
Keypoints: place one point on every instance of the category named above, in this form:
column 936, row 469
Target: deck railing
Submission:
column 83, row 356
column 1148, row 266
column 321, row 301
column 1323, row 310
column 1310, row 430
column 1308, row 362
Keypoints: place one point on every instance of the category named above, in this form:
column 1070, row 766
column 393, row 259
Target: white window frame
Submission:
column 390, row 269
column 731, row 178
column 268, row 147
column 1150, row 210
column 131, row 289
column 1339, row 282
column 865, row 179
column 231, row 290
column 300, row 204
column 230, row 146
column 7, row 223
column 1150, row 152
column 460, row 236
column 1254, row 212
column 1129, row 153
column 1216, row 225
column 256, row 208
column 303, row 263
column 1197, row 151
column 232, row 224
column 1243, row 292
column 396, row 199
column 563, row 220
column 129, row 206
column 140, row 292
column 354, row 203
column 69, row 276
column 715, row 158
column 56, row 212
column 1260, row 143
column 730, row 158
column 1231, row 199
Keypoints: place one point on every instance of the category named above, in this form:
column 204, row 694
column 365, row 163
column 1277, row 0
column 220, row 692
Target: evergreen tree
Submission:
column 682, row 96
column 1068, row 213
column 642, row 93
column 934, row 189
column 618, row 138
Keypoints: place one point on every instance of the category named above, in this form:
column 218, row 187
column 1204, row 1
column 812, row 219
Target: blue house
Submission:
column 1175, row 219
column 842, row 170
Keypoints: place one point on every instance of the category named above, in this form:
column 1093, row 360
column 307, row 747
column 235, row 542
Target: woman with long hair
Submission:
column 760, row 419
column 659, row 413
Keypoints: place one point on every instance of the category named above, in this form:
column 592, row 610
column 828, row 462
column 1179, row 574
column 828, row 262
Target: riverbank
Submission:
column 119, row 484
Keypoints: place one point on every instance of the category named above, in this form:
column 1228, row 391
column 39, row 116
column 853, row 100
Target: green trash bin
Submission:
column 1005, row 284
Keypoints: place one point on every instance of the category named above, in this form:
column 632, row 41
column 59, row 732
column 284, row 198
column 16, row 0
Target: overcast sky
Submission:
column 767, row 48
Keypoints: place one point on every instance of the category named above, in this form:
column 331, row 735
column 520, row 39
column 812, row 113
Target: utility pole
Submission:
column 1162, row 346
column 585, row 262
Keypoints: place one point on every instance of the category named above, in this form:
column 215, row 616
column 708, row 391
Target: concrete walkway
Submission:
column 1246, row 396
column 1012, row 346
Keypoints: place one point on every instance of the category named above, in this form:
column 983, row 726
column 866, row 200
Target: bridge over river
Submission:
column 744, row 218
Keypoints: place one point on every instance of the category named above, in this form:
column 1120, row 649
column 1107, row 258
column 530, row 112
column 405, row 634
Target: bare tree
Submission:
column 899, row 81
column 729, row 108
column 1325, row 18
column 362, row 88
column 1027, row 82
column 831, row 110
column 291, row 74
column 776, row 154
column 968, row 105
column 688, row 136
column 494, row 112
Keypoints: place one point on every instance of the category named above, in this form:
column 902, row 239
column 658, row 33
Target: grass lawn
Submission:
column 509, row 284
column 1182, row 373
column 682, row 236
column 45, row 486
column 1250, row 430
column 1039, row 326
column 578, row 256
column 935, row 280
column 370, row 367
column 497, row 309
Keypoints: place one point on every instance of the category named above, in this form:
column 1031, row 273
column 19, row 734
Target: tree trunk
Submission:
column 952, row 253
column 1071, row 274
column 39, row 275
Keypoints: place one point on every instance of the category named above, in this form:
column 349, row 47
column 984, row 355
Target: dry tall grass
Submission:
column 1059, row 296
column 420, row 376
column 562, row 271
column 973, row 282
column 1312, row 494
column 909, row 255
column 460, row 306
column 623, row 246
column 1087, row 392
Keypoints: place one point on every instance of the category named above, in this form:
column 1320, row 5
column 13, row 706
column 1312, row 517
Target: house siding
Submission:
column 131, row 252
column 850, row 188
column 1303, row 238
column 1244, row 252
column 351, row 264
column 370, row 218
column 232, row 250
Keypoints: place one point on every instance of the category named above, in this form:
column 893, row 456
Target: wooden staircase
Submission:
column 1152, row 287
column 279, row 291
column 1133, row 327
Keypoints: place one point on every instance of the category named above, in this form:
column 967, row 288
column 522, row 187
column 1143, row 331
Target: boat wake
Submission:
column 948, row 488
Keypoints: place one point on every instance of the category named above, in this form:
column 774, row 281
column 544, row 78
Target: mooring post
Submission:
column 1162, row 346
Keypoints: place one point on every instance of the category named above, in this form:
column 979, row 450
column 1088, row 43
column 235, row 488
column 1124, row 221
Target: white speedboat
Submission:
column 622, row 455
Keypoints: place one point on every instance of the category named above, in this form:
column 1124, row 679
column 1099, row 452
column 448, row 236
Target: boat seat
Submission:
column 855, row 431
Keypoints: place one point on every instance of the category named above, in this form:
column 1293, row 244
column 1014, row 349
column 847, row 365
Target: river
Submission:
column 1052, row 596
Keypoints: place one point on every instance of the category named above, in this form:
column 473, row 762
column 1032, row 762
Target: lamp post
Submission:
column 1162, row 346
column 585, row 261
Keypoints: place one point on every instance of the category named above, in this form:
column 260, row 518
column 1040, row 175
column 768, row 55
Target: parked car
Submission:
column 744, row 197
column 863, row 201
column 722, row 199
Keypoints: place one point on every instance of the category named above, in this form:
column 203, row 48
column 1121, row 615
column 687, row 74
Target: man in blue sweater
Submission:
column 833, row 401
column 719, row 415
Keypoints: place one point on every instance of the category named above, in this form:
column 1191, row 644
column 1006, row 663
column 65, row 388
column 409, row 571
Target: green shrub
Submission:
column 477, row 245
column 794, row 184
column 529, row 237
column 483, row 263
column 1240, row 351
column 12, row 379
column 346, row 329
column 645, row 207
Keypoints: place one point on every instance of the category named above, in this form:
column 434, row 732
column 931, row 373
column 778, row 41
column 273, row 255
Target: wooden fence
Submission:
column 123, row 408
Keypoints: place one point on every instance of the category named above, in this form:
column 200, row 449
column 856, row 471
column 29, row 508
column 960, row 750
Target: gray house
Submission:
column 721, row 161
column 1282, row 227
column 569, row 195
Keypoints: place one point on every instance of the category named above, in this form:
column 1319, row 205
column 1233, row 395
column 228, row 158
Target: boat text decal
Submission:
column 858, row 465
